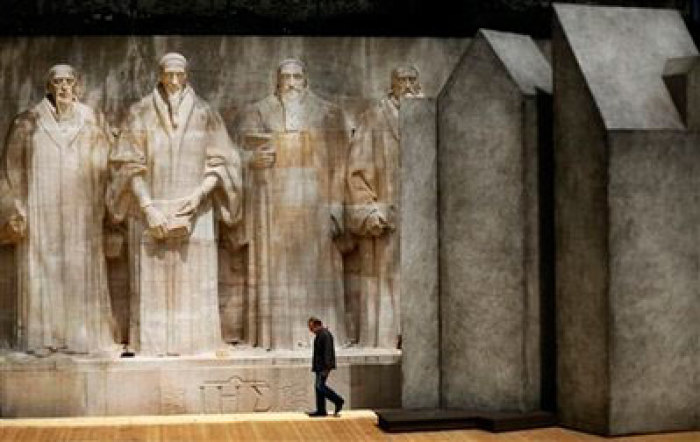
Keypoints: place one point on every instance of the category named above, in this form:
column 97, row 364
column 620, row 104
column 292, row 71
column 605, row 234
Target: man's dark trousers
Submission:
column 323, row 362
column 324, row 392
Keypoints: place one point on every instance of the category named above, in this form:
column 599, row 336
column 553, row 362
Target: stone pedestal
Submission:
column 627, row 217
column 490, row 130
column 247, row 381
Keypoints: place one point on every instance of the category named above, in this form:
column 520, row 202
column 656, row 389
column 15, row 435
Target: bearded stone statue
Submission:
column 373, row 179
column 296, row 145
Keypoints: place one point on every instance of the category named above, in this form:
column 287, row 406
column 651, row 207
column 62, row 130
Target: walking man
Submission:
column 322, row 364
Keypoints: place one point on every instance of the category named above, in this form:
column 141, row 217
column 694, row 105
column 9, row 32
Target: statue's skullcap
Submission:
column 295, row 61
column 173, row 60
column 61, row 70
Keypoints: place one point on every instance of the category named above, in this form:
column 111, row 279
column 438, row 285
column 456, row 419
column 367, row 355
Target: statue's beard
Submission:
column 64, row 97
column 172, row 92
column 409, row 92
column 291, row 93
column 405, row 92
column 64, row 103
column 174, row 95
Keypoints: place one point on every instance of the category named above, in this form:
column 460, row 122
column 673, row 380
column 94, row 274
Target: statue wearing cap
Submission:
column 53, row 179
column 295, row 145
column 176, row 177
column 373, row 206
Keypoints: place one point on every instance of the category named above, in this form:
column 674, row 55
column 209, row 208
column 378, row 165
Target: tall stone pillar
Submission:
column 627, row 220
column 491, row 126
column 419, row 255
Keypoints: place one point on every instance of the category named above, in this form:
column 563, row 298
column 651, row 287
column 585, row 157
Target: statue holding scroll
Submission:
column 176, row 174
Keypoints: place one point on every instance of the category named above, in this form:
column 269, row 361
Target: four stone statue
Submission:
column 179, row 184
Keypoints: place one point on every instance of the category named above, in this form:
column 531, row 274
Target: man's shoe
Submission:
column 317, row 414
column 338, row 408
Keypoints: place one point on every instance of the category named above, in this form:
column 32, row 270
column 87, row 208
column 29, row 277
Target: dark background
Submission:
column 456, row 18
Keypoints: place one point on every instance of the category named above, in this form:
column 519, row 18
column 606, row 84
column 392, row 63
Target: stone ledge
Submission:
column 276, row 381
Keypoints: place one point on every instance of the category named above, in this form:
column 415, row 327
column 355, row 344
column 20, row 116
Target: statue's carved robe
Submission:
column 294, row 267
column 55, row 172
column 174, row 281
column 373, row 186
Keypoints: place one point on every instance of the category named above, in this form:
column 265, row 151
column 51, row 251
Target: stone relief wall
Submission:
column 287, row 200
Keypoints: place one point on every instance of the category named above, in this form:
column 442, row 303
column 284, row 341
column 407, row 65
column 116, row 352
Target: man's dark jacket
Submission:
column 324, row 353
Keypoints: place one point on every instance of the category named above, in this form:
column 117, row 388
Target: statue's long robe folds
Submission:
column 54, row 173
column 294, row 267
column 174, row 281
column 373, row 187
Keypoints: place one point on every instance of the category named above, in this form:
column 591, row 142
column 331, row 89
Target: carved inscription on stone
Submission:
column 293, row 396
column 234, row 395
column 172, row 400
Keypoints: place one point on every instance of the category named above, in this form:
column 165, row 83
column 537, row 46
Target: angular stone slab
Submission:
column 419, row 254
column 622, row 53
column 682, row 79
column 627, row 177
column 490, row 280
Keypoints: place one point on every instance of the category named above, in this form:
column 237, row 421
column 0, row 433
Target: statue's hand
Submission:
column 376, row 224
column 157, row 222
column 192, row 204
column 17, row 225
column 263, row 159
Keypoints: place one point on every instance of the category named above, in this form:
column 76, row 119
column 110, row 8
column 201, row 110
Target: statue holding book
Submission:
column 175, row 176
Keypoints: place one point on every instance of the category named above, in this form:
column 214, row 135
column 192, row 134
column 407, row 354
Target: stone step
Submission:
column 399, row 420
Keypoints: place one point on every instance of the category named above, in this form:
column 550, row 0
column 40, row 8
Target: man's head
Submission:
column 61, row 84
column 315, row 324
column 291, row 78
column 404, row 82
column 173, row 72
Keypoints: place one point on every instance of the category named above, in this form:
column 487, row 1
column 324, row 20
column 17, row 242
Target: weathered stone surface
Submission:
column 419, row 255
column 654, row 287
column 490, row 294
column 582, row 249
column 627, row 174
column 625, row 78
column 245, row 381
column 228, row 71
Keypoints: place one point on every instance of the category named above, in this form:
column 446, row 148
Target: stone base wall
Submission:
column 255, row 381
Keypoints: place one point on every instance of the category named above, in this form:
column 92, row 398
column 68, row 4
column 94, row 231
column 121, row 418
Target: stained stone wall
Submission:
column 490, row 282
column 627, row 215
column 228, row 72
